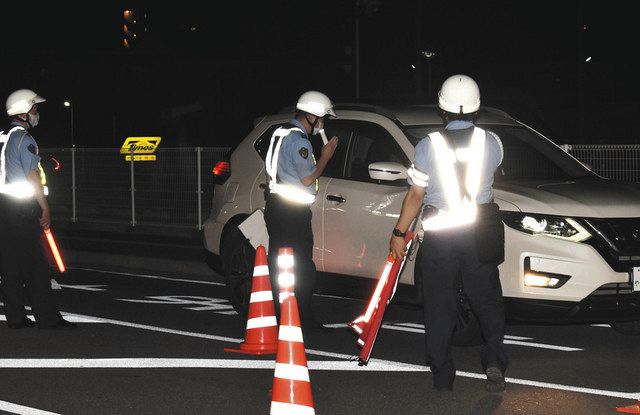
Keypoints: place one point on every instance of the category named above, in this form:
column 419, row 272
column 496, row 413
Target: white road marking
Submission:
column 149, row 363
column 156, row 277
column 84, row 287
column 73, row 319
column 513, row 340
column 14, row 408
column 373, row 366
column 201, row 303
column 373, row 363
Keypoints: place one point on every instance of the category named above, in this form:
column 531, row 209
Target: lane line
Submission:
column 150, row 363
column 399, row 365
column 97, row 287
column 373, row 366
column 156, row 277
column 72, row 319
column 14, row 408
column 513, row 340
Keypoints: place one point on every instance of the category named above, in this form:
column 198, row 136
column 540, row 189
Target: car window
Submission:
column 370, row 143
column 335, row 167
column 262, row 143
column 339, row 128
column 527, row 155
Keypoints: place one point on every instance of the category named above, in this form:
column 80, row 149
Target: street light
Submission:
column 428, row 55
column 68, row 104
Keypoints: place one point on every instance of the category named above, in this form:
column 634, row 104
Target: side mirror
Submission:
column 387, row 171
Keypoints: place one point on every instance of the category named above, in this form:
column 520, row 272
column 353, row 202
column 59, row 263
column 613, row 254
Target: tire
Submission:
column 238, row 260
column 630, row 328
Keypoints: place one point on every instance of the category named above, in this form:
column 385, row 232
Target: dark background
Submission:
column 198, row 73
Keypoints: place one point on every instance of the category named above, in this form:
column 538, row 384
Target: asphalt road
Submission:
column 152, row 334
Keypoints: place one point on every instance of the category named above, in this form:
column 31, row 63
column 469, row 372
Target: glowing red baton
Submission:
column 54, row 250
column 367, row 325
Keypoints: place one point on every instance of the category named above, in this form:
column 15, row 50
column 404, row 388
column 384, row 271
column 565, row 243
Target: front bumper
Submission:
column 600, row 307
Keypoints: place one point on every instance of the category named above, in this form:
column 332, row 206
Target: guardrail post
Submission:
column 133, row 190
column 74, row 219
column 199, row 172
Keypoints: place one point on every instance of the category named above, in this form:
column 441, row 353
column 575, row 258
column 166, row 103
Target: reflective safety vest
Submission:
column 289, row 192
column 21, row 189
column 461, row 210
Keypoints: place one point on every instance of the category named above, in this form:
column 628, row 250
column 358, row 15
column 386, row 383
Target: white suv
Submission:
column 572, row 237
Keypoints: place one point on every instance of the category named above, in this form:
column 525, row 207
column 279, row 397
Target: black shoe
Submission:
column 495, row 380
column 62, row 324
column 23, row 324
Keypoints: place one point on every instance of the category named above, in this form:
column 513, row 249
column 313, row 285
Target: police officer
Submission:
column 292, row 176
column 452, row 175
column 24, row 213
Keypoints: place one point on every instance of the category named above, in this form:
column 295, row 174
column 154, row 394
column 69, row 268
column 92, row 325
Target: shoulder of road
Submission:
column 137, row 251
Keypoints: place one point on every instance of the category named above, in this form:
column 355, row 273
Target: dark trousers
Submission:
column 25, row 269
column 289, row 225
column 448, row 257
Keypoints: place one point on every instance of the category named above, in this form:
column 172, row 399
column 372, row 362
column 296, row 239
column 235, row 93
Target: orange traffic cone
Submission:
column 631, row 409
column 261, row 335
column 291, row 385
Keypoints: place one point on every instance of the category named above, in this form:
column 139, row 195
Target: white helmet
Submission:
column 21, row 101
column 315, row 103
column 459, row 94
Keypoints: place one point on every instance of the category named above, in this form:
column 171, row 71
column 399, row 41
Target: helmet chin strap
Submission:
column 26, row 120
column 312, row 124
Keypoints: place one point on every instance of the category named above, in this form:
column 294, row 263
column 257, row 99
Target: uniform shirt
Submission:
column 20, row 157
column 296, row 160
column 425, row 162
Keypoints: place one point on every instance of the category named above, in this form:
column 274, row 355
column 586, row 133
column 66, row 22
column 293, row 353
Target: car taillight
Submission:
column 221, row 171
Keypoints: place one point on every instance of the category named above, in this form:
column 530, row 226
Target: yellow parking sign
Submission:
column 142, row 148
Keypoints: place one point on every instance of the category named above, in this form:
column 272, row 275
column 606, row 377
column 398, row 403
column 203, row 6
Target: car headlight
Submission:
column 553, row 226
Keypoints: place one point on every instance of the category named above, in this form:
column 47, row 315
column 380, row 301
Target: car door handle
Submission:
column 334, row 198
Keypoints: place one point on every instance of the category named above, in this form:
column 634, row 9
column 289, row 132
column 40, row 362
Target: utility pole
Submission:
column 357, row 50
column 418, row 70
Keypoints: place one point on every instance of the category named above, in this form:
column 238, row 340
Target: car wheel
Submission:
column 467, row 331
column 631, row 328
column 238, row 260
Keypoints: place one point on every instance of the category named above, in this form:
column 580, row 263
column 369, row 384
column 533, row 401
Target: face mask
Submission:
column 34, row 119
column 319, row 126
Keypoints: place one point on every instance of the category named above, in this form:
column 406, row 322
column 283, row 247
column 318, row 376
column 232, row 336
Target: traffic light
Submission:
column 135, row 27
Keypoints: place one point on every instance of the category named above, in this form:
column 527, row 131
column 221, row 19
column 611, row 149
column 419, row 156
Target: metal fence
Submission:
column 176, row 190
column 618, row 162
column 99, row 185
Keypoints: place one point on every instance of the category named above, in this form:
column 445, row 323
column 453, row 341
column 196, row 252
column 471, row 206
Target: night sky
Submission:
column 199, row 78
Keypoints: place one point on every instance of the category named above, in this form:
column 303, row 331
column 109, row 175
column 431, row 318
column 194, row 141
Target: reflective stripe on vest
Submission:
column 460, row 210
column 288, row 192
column 417, row 177
column 20, row 190
column 4, row 139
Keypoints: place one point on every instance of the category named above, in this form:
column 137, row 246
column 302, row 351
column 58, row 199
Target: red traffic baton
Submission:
column 54, row 250
column 368, row 324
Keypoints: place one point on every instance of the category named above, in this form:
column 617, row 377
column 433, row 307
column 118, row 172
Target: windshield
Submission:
column 527, row 154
